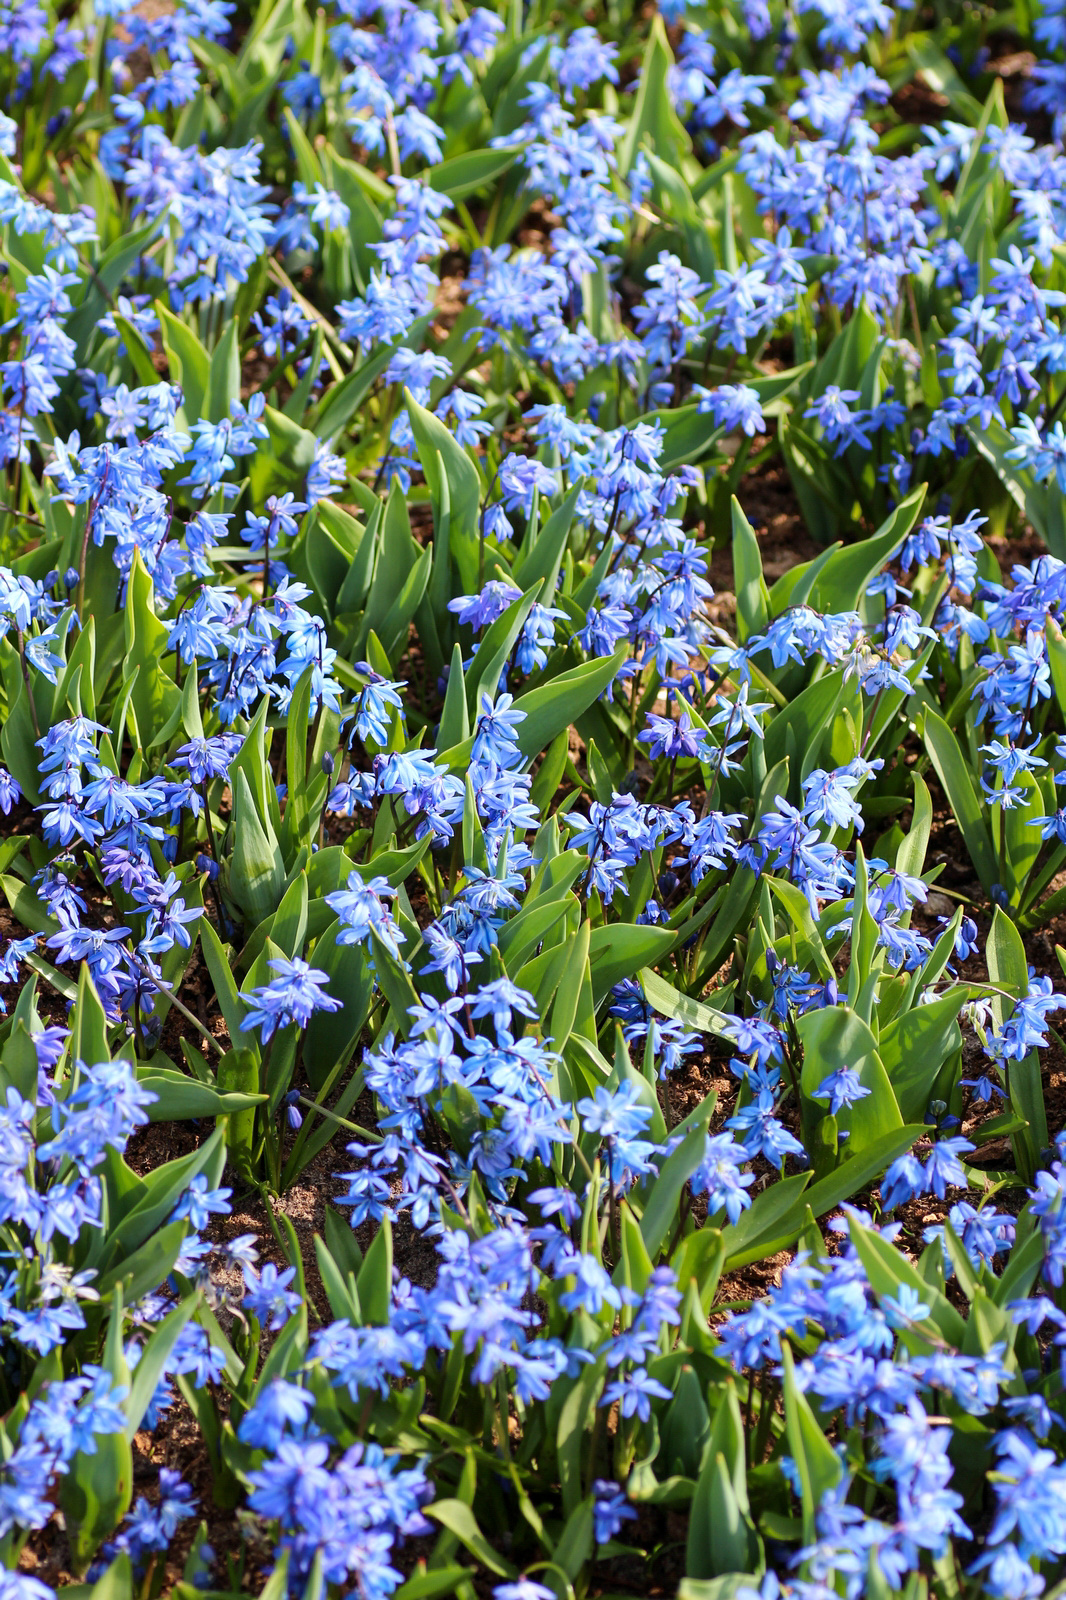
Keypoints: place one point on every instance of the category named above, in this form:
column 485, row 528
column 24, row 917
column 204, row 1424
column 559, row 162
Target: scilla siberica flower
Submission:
column 294, row 995
column 361, row 910
column 720, row 1178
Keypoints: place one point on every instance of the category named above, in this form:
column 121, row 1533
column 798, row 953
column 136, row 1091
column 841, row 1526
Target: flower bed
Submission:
column 532, row 698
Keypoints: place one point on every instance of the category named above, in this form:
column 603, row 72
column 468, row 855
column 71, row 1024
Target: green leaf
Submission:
column 374, row 1282
column 286, row 457
column 257, row 870
column 804, row 718
column 459, row 1519
column 653, row 116
column 551, row 707
column 1021, row 838
column 398, row 555
column 1008, row 969
column 618, row 950
column 19, row 1058
column 721, row 1536
column 107, row 277
column 887, row 1270
column 793, row 588
column 724, row 1588
column 288, row 928
column 145, row 1269
column 667, row 1000
column 461, row 176
column 179, row 1096
column 494, row 650
column 18, row 735
column 661, row 1211
column 331, row 1036
column 434, row 1584
column 778, row 1212
column 685, row 1429
column 96, row 1490
column 1056, row 651
column 156, row 697
column 163, row 1187
column 576, row 1417
column 910, row 856
column 396, row 985
column 342, row 400
column 152, row 1365
column 776, row 1219
column 1041, row 505
column 396, row 624
column 942, row 77
column 798, row 911
column 914, row 1048
column 455, row 717
column 238, row 1075
column 138, row 352
column 753, row 599
column 816, row 1462
column 843, row 581
column 444, row 461
column 224, row 983
column 88, row 1022
column 958, row 785
column 542, row 560
column 307, row 163
column 836, row 1037
column 190, row 364
column 224, row 374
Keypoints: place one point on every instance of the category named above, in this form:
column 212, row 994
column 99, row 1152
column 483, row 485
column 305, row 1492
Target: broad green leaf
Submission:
column 88, row 1023
column 776, row 1219
column 835, row 1037
column 1008, row 969
column 374, row 1282
column 152, row 1365
column 887, row 1270
column 667, row 1000
column 553, row 706
column 914, row 1048
column 190, row 364
column 575, row 1419
column 653, row 116
column 218, row 965
column 435, row 1584
column 224, row 374
column 843, row 581
column 661, row 1211
column 342, row 400
column 331, row 1036
column 443, row 458
column 156, row 697
column 959, row 786
column 543, row 559
column 618, row 950
column 96, row 1491
column 494, row 650
column 817, row 1463
column 256, row 870
column 461, row 176
column 179, row 1097
column 460, row 1520
column 753, row 599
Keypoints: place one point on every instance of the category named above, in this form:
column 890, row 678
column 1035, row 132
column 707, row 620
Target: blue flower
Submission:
column 293, row 996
